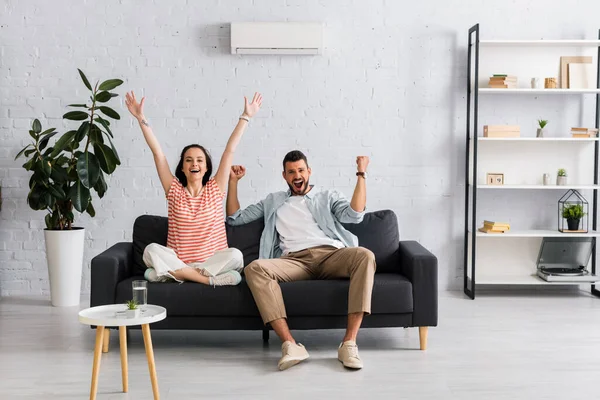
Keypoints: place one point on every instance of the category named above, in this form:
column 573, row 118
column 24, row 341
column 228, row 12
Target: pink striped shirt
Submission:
column 196, row 224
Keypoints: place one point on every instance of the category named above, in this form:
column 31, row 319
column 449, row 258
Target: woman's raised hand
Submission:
column 136, row 109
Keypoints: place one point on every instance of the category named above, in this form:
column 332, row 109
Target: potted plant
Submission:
column 64, row 175
column 542, row 124
column 133, row 310
column 561, row 177
column 573, row 214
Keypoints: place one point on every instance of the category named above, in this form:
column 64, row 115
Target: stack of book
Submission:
column 584, row 132
column 500, row 81
column 501, row 131
column 494, row 227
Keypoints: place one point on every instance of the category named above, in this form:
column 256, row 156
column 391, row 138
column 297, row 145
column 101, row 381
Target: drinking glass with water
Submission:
column 140, row 293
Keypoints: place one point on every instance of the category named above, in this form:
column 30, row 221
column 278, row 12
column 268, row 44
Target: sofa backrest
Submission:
column 377, row 232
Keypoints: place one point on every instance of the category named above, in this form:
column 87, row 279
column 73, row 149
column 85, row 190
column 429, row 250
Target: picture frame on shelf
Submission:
column 495, row 179
column 564, row 67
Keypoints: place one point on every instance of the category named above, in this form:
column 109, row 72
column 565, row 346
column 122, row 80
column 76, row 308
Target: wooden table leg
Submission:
column 123, row 343
column 150, row 356
column 96, row 365
column 106, row 340
column 423, row 337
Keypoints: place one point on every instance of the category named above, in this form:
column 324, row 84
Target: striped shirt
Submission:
column 196, row 224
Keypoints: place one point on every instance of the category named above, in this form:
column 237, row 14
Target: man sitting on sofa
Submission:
column 304, row 239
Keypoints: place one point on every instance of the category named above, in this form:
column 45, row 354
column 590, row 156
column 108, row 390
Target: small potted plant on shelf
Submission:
column 561, row 177
column 133, row 310
column 542, row 124
column 573, row 214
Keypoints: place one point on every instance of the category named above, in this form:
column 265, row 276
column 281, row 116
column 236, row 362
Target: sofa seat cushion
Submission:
column 392, row 293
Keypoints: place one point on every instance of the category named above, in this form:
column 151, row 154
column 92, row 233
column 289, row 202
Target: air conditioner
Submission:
column 276, row 38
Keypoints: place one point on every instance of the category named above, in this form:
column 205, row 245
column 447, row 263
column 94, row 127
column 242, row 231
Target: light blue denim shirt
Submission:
column 329, row 208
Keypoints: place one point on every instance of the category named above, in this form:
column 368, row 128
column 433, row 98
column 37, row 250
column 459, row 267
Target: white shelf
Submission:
column 535, row 139
column 535, row 233
column 537, row 91
column 545, row 187
column 542, row 42
column 483, row 279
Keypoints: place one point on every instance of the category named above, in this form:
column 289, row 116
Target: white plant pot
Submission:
column 132, row 313
column 561, row 180
column 540, row 132
column 64, row 253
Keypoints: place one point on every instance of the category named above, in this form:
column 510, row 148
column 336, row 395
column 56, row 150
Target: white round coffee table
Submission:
column 104, row 316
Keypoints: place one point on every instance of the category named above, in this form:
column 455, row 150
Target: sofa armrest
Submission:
column 108, row 269
column 420, row 267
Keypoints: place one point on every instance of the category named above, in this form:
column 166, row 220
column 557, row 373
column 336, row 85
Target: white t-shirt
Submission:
column 298, row 229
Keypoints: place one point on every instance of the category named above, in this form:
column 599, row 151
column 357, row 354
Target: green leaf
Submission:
column 110, row 84
column 84, row 79
column 101, row 187
column 103, row 97
column 19, row 154
column 59, row 174
column 96, row 135
column 78, row 105
column 105, row 124
column 54, row 220
column 30, row 152
column 106, row 158
column 82, row 131
column 45, row 140
column 90, row 210
column 48, row 131
column 56, row 191
column 88, row 169
column 112, row 146
column 80, row 196
column 63, row 142
column 109, row 112
column 29, row 164
column 48, row 220
column 36, row 126
column 37, row 179
column 33, row 135
column 46, row 167
column 76, row 115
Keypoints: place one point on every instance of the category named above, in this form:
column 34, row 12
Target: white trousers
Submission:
column 164, row 260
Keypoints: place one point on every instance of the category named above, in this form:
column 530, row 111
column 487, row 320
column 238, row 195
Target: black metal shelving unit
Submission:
column 471, row 190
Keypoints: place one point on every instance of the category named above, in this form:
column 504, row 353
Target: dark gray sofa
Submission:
column 405, row 292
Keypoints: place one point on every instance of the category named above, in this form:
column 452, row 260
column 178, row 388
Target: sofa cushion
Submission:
column 392, row 293
column 379, row 233
column 246, row 238
column 147, row 229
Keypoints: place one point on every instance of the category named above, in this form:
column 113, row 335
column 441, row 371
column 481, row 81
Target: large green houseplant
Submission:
column 64, row 175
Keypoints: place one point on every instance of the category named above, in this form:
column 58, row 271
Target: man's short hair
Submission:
column 293, row 156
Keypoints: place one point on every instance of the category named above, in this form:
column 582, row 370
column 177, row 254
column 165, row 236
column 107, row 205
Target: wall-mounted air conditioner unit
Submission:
column 276, row 38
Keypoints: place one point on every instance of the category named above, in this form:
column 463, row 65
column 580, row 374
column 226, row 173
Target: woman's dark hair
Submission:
column 179, row 173
column 293, row 156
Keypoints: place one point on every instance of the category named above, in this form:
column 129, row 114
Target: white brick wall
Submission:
column 391, row 85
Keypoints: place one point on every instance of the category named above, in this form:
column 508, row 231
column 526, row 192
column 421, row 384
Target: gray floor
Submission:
column 513, row 345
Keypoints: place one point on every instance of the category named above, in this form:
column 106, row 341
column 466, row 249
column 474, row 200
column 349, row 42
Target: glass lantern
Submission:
column 573, row 213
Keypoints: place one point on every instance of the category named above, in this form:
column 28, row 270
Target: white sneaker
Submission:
column 291, row 354
column 151, row 276
column 348, row 355
column 229, row 278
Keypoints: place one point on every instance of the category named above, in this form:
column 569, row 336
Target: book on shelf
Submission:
column 487, row 230
column 501, row 131
column 584, row 132
column 500, row 81
column 494, row 227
